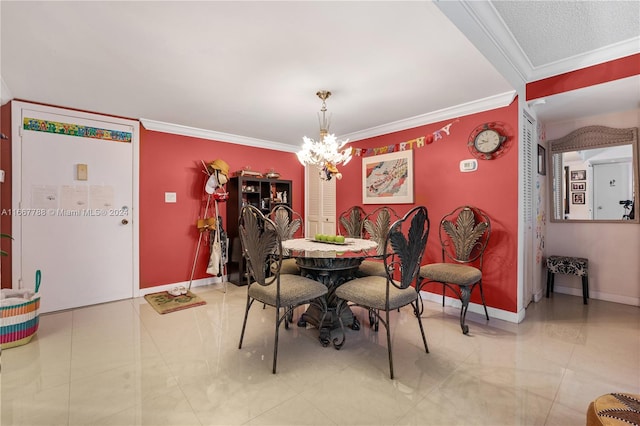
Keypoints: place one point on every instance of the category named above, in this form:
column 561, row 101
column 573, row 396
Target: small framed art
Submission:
column 542, row 160
column 578, row 186
column 578, row 175
column 578, row 198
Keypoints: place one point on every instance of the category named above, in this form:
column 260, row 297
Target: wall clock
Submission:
column 487, row 141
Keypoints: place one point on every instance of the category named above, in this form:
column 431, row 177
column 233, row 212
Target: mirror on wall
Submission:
column 594, row 175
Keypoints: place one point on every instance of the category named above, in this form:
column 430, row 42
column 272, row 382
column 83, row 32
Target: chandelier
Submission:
column 327, row 152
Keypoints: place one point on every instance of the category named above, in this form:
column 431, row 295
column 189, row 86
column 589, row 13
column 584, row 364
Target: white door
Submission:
column 610, row 188
column 78, row 230
column 526, row 291
column 320, row 210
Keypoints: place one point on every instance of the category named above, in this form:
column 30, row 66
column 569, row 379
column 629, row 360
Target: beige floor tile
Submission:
column 122, row 363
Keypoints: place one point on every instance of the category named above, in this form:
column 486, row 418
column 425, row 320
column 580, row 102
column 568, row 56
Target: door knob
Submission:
column 125, row 221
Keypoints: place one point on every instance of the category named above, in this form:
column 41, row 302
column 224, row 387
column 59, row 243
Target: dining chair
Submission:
column 262, row 248
column 351, row 221
column 289, row 225
column 406, row 240
column 464, row 235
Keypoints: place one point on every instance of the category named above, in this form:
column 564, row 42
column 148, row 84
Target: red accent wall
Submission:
column 5, row 201
column 440, row 186
column 172, row 163
column 585, row 77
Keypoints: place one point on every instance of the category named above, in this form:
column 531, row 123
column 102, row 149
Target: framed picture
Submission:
column 542, row 161
column 388, row 178
column 578, row 198
column 578, row 175
column 578, row 186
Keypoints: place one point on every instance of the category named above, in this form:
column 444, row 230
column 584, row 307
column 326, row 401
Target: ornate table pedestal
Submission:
column 332, row 272
column 331, row 265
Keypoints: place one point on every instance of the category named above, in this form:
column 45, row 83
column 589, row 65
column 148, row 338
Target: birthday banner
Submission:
column 405, row 146
column 47, row 126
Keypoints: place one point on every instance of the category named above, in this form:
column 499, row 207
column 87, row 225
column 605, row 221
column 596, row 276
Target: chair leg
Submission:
column 465, row 295
column 417, row 313
column 275, row 344
column 486, row 313
column 388, row 327
column 549, row 282
column 443, row 292
column 244, row 323
column 585, row 289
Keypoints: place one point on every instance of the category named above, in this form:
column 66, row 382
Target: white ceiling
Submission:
column 250, row 70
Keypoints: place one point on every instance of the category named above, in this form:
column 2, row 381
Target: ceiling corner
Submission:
column 482, row 25
column 5, row 93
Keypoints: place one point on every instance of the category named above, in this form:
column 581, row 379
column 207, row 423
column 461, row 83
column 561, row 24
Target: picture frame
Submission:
column 578, row 186
column 542, row 161
column 578, row 175
column 577, row 198
column 388, row 178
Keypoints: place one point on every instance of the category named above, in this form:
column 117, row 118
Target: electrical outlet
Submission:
column 170, row 197
column 82, row 171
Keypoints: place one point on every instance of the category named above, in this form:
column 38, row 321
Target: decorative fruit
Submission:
column 340, row 239
column 331, row 238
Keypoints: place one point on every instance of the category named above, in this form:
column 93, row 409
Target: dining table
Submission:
column 333, row 264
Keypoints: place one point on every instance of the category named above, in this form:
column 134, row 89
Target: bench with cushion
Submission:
column 569, row 265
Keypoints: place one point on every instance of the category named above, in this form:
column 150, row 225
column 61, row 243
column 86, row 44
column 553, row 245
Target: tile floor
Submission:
column 122, row 363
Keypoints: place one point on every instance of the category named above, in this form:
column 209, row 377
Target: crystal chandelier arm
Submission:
column 325, row 153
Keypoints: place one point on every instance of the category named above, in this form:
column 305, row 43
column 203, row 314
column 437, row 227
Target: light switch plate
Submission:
column 82, row 172
column 470, row 165
column 170, row 197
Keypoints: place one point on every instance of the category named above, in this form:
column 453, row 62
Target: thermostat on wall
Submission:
column 470, row 165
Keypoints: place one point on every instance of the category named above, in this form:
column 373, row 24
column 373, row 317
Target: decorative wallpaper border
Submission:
column 38, row 125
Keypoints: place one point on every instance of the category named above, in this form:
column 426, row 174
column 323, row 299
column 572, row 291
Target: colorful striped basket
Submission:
column 18, row 323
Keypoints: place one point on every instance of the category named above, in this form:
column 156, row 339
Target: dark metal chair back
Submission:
column 464, row 235
column 288, row 222
column 407, row 239
column 261, row 246
column 376, row 226
column 351, row 222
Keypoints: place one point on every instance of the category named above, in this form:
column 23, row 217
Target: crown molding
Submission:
column 178, row 129
column 480, row 22
column 594, row 57
column 492, row 102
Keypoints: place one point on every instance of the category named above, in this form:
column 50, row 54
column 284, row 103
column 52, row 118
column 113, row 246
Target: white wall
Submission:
column 613, row 249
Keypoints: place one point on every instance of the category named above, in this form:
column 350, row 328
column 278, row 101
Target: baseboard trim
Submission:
column 474, row 307
column 598, row 295
column 195, row 283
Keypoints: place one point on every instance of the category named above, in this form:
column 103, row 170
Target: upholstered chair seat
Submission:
column 293, row 289
column 370, row 268
column 372, row 292
column 451, row 273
